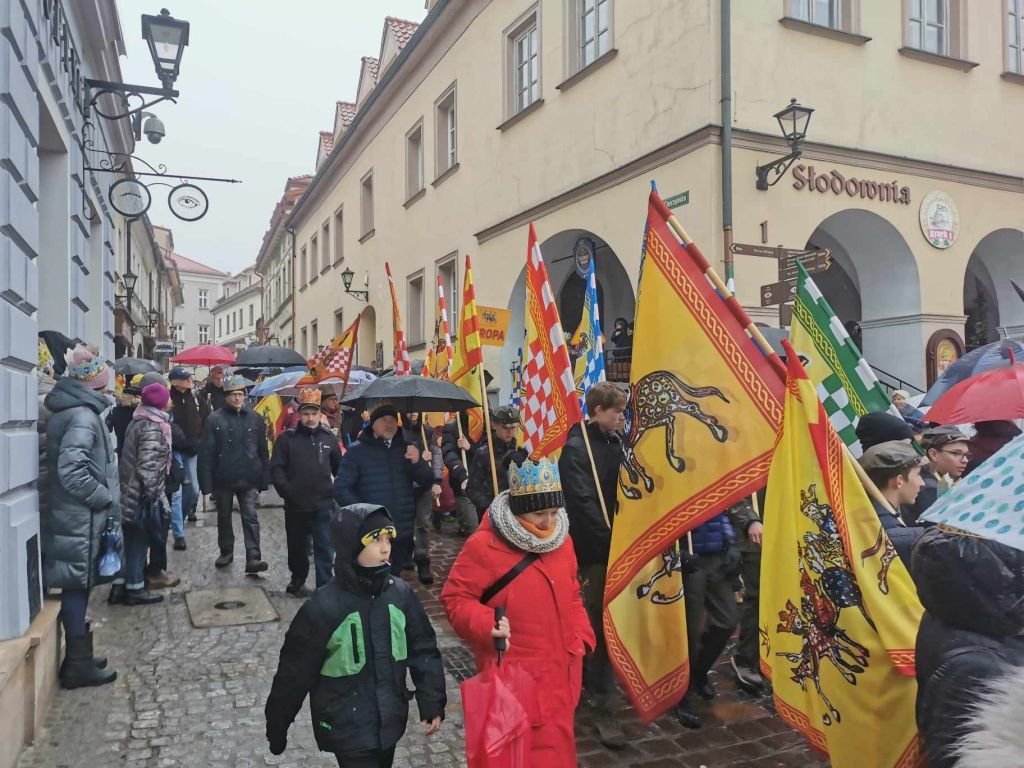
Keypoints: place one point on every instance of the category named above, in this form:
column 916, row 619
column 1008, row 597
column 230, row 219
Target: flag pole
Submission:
column 487, row 428
column 593, row 469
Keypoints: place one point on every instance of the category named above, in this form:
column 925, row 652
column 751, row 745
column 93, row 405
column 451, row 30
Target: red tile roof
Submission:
column 326, row 142
column 371, row 64
column 344, row 113
column 185, row 264
column 403, row 30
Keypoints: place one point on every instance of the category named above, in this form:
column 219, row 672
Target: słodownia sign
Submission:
column 806, row 177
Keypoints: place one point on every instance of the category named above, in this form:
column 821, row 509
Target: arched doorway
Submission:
column 616, row 294
column 991, row 303
column 874, row 282
column 367, row 340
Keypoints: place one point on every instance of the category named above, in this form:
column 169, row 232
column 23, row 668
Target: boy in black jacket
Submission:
column 349, row 646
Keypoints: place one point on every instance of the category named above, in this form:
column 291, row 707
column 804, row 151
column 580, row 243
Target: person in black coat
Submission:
column 214, row 392
column 349, row 648
column 303, row 465
column 591, row 534
column 415, row 433
column 480, row 489
column 972, row 590
column 458, row 450
column 382, row 468
column 895, row 468
column 234, row 461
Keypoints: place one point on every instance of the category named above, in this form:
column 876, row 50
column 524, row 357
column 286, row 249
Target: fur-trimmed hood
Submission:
column 995, row 738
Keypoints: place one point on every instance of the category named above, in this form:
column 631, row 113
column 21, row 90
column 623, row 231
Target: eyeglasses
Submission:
column 388, row 532
column 959, row 455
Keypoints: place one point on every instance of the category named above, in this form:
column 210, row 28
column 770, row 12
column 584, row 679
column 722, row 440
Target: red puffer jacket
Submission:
column 550, row 632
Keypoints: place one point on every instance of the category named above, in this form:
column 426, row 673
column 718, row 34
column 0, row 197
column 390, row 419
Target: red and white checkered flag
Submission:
column 549, row 402
column 336, row 358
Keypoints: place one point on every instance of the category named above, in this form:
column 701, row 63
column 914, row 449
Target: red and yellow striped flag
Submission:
column 838, row 610
column 403, row 366
column 468, row 360
column 439, row 356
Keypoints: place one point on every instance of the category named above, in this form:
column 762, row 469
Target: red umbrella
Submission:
column 994, row 395
column 205, row 354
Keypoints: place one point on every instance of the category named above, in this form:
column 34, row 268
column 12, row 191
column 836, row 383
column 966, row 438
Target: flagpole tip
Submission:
column 654, row 186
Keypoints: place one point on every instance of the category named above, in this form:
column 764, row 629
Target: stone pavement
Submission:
column 194, row 697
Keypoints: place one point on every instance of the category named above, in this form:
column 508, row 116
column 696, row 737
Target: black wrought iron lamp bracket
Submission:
column 361, row 295
column 100, row 88
column 768, row 175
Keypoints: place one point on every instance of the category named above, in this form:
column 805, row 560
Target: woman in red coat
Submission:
column 546, row 624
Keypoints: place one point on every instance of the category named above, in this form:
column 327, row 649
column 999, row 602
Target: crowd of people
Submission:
column 363, row 494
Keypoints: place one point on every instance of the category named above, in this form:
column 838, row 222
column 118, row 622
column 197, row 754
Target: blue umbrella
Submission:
column 974, row 362
column 989, row 502
column 271, row 384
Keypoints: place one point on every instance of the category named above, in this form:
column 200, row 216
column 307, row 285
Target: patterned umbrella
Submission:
column 974, row 362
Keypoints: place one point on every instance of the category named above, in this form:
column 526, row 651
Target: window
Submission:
column 1015, row 36
column 414, row 161
column 314, row 258
column 204, row 298
column 446, row 270
column 325, row 246
column 303, row 267
column 445, row 132
column 525, row 65
column 594, row 32
column 928, row 26
column 314, row 337
column 825, row 13
column 179, row 332
column 339, row 321
column 305, row 343
column 415, row 308
column 204, row 334
column 366, row 204
column 251, row 320
column 220, row 327
column 339, row 236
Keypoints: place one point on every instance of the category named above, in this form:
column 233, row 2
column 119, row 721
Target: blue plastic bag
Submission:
column 110, row 550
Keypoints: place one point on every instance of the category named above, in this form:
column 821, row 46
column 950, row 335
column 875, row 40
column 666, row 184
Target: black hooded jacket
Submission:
column 348, row 649
column 972, row 590
column 302, row 468
column 480, row 489
column 233, row 453
column 458, row 471
column 591, row 536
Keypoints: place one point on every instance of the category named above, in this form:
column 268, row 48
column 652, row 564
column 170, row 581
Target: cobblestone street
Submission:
column 194, row 697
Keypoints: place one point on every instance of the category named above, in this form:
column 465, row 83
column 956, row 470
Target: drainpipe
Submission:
column 291, row 231
column 726, row 101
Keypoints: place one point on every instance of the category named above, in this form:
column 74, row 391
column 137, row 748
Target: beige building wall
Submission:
column 580, row 162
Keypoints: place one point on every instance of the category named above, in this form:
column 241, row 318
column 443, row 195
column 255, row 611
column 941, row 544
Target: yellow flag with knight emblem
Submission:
column 838, row 611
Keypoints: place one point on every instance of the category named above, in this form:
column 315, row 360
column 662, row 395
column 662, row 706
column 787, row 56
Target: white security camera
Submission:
column 154, row 129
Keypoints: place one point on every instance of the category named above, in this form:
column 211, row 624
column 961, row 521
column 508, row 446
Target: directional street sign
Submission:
column 677, row 201
column 813, row 261
column 778, row 293
column 766, row 251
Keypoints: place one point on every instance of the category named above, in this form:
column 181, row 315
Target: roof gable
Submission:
column 190, row 266
column 344, row 114
column 325, row 146
column 367, row 79
column 397, row 33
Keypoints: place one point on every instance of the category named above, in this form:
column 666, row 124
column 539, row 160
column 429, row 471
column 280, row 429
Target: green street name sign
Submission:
column 677, row 201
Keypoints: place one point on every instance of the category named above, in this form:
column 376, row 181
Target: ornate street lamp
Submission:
column 346, row 279
column 166, row 37
column 129, row 279
column 154, row 321
column 793, row 122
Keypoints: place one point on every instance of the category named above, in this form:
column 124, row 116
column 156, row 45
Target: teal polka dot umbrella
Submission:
column 990, row 501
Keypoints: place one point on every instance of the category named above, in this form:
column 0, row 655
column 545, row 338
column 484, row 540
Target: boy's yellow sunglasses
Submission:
column 389, row 531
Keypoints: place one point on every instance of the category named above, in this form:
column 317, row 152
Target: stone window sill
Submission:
column 313, row 279
column 412, row 200
column 521, row 114
column 367, row 236
column 937, row 58
column 596, row 64
column 444, row 176
column 842, row 35
column 1013, row 77
column 338, row 261
column 303, row 289
column 326, row 269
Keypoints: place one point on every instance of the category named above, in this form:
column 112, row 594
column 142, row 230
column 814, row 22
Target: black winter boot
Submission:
column 712, row 643
column 116, row 596
column 80, row 670
column 99, row 661
column 423, row 570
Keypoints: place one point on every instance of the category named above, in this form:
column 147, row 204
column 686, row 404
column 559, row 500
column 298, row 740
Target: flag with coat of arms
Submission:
column 589, row 367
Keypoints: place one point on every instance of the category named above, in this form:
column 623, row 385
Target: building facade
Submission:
column 236, row 315
column 274, row 265
column 492, row 115
column 200, row 286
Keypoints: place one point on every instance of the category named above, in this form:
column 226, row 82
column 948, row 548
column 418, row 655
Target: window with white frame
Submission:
column 220, row 327
column 314, row 337
column 303, row 266
column 928, row 26
column 339, row 321
column 415, row 308
column 251, row 311
column 339, row 235
column 325, row 245
column 366, row 204
column 445, row 132
column 594, row 30
column 314, row 257
column 1015, row 36
column 414, row 160
column 204, row 334
column 204, row 298
column 447, row 271
column 824, row 13
column 179, row 332
column 305, row 343
column 522, row 42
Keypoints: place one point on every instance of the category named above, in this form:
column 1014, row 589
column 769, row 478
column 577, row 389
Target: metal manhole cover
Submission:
column 228, row 607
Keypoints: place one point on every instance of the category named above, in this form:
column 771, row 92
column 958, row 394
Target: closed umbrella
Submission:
column 269, row 355
column 205, row 354
column 995, row 395
column 974, row 362
column 132, row 366
column 413, row 394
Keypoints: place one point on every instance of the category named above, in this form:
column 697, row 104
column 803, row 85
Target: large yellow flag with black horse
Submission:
column 839, row 613
column 704, row 408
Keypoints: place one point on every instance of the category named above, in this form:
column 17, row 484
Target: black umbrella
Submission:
column 413, row 394
column 132, row 366
column 268, row 356
column 58, row 344
column 976, row 361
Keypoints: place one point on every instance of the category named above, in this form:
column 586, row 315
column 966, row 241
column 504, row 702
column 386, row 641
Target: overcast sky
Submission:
column 258, row 82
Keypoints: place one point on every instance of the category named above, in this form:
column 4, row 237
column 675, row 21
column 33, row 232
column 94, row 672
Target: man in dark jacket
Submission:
column 749, row 532
column 895, row 468
column 349, row 647
column 480, row 489
column 422, row 436
column 234, row 462
column 458, row 450
column 382, row 468
column 591, row 510
column 972, row 590
column 214, row 392
column 190, row 413
column 303, row 465
column 948, row 453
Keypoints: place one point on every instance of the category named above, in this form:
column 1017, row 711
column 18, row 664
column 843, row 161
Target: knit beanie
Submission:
column 377, row 519
column 384, row 409
column 879, row 427
column 155, row 396
column 87, row 367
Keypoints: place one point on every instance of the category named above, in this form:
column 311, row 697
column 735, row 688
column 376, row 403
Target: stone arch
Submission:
column 991, row 303
column 367, row 338
column 614, row 280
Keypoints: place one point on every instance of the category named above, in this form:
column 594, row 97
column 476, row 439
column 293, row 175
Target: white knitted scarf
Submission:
column 513, row 533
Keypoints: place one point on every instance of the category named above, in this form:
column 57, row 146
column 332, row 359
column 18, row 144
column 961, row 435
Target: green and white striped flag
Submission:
column 846, row 385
